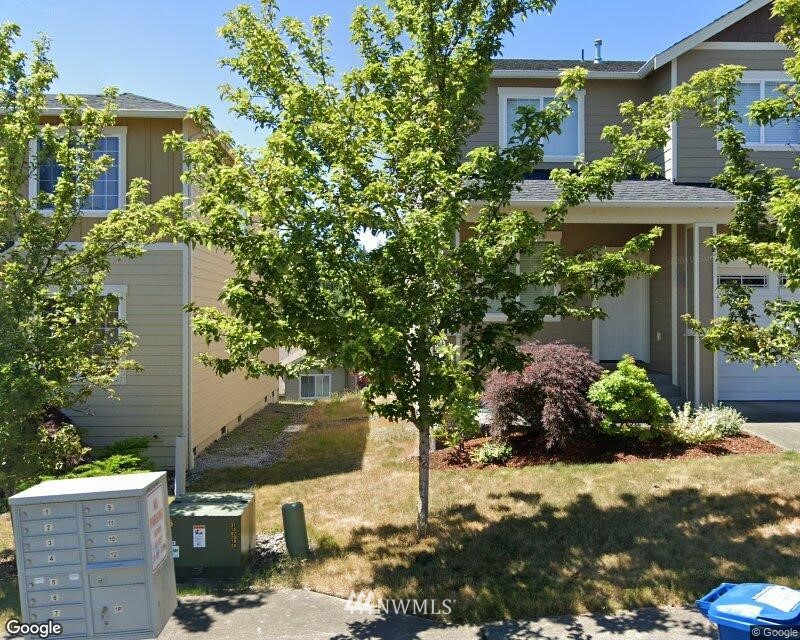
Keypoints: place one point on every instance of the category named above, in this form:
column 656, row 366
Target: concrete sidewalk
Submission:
column 306, row 615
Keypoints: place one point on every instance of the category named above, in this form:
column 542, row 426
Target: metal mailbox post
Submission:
column 93, row 554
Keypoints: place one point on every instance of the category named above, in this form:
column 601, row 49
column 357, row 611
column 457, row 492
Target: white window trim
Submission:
column 506, row 93
column 552, row 237
column 315, row 376
column 762, row 77
column 108, row 132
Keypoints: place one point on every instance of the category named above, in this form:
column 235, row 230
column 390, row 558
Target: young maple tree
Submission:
column 379, row 151
column 57, row 339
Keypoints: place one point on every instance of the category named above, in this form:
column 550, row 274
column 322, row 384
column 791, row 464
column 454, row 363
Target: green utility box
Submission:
column 213, row 533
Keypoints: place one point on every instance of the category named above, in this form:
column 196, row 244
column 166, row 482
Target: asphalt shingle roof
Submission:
column 125, row 102
column 631, row 191
column 523, row 64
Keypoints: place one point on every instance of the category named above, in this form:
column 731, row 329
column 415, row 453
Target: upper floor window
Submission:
column 108, row 191
column 559, row 147
column 776, row 136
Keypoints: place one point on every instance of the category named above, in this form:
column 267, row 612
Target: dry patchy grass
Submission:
column 520, row 543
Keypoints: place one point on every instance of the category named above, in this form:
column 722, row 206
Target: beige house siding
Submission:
column 219, row 404
column 698, row 157
column 341, row 382
column 149, row 402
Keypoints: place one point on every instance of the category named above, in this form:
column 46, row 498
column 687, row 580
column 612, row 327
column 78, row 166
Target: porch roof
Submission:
column 631, row 192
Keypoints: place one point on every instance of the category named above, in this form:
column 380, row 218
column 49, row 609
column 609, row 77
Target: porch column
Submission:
column 700, row 302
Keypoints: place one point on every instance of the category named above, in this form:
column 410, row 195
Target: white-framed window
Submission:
column 760, row 85
column 563, row 147
column 529, row 263
column 315, row 385
column 108, row 192
column 756, row 282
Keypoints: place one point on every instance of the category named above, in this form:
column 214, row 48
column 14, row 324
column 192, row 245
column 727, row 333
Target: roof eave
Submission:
column 625, row 204
column 178, row 114
column 555, row 75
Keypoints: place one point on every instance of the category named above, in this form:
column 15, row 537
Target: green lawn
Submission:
column 519, row 543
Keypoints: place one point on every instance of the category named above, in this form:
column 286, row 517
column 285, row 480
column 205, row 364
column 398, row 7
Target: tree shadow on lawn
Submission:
column 662, row 549
column 317, row 452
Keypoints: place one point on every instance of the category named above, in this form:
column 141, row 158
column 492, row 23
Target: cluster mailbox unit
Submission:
column 93, row 554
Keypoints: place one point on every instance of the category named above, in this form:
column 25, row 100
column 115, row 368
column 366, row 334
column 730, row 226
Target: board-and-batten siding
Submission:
column 219, row 402
column 699, row 159
column 149, row 402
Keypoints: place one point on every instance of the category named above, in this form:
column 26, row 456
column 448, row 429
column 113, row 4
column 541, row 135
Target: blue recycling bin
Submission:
column 736, row 608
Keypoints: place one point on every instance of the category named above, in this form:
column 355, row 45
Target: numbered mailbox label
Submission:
column 55, row 597
column 55, row 613
column 46, row 511
column 113, row 555
column 51, row 558
column 112, row 539
column 47, row 527
column 53, row 582
column 49, row 542
column 109, row 507
column 111, row 523
column 118, row 608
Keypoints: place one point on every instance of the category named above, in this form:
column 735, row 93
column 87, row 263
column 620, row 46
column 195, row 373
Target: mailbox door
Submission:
column 120, row 609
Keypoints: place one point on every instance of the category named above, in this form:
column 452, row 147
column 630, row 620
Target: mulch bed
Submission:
column 531, row 451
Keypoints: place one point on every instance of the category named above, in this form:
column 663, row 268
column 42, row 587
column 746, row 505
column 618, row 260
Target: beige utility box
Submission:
column 94, row 555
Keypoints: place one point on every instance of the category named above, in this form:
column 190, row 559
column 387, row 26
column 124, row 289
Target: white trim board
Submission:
column 741, row 46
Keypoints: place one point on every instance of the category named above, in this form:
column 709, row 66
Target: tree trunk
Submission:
column 424, row 479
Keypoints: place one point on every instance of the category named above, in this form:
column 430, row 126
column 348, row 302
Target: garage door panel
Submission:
column 739, row 381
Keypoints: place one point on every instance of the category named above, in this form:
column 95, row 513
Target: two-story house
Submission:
column 646, row 320
column 181, row 405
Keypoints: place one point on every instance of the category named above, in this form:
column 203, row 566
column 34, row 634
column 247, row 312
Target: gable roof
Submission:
column 625, row 69
column 128, row 105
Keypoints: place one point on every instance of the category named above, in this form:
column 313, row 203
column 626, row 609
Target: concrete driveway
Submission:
column 778, row 422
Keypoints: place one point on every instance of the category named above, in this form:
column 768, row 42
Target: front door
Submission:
column 627, row 328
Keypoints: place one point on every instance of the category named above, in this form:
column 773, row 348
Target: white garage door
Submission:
column 738, row 381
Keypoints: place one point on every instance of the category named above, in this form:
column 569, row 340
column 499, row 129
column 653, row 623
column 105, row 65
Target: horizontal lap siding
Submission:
column 660, row 83
column 603, row 98
column 149, row 401
column 698, row 156
column 218, row 402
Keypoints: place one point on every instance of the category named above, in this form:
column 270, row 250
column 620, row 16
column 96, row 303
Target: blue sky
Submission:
column 168, row 49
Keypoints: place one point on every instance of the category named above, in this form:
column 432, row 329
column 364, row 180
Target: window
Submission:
column 759, row 86
column 563, row 147
column 758, row 282
column 317, row 385
column 108, row 192
column 528, row 263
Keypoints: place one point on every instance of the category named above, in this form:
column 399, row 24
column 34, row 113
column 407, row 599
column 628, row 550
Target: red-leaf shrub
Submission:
column 549, row 397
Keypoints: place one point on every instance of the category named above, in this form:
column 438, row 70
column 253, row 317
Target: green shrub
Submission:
column 492, row 452
column 705, row 425
column 629, row 401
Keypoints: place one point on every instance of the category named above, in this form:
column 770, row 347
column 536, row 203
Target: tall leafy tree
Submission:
column 58, row 340
column 379, row 151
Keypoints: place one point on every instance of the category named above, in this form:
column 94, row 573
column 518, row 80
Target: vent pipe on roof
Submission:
column 598, row 44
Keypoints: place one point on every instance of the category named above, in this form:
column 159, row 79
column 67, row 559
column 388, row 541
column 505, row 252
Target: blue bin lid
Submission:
column 744, row 605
